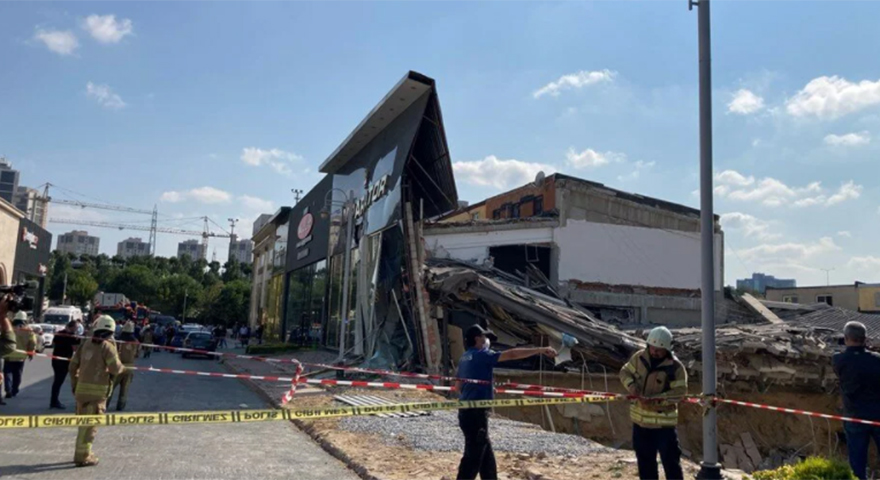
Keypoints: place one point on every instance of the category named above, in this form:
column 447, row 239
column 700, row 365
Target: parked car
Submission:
column 48, row 336
column 199, row 341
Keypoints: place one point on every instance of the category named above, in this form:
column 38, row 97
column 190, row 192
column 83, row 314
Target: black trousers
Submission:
column 12, row 372
column 478, row 456
column 648, row 442
column 61, row 368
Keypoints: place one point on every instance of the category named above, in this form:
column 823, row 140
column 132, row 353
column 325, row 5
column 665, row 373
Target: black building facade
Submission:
column 32, row 251
column 393, row 170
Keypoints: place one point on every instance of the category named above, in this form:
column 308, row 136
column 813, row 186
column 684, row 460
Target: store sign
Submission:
column 305, row 226
column 29, row 237
column 377, row 190
column 302, row 254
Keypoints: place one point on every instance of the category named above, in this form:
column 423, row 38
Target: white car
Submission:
column 48, row 335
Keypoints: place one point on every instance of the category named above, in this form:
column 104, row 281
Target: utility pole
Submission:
column 710, row 469
column 185, row 295
column 232, row 222
column 64, row 290
column 827, row 275
column 296, row 194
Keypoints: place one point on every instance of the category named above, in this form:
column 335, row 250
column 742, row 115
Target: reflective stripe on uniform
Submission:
column 16, row 356
column 678, row 384
column 627, row 382
column 91, row 389
column 652, row 418
column 631, row 367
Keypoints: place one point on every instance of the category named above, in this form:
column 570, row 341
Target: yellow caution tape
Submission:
column 268, row 415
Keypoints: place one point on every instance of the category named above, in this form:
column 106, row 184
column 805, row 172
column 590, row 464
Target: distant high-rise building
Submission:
column 31, row 202
column 242, row 250
column 759, row 283
column 78, row 242
column 193, row 249
column 8, row 181
column 133, row 247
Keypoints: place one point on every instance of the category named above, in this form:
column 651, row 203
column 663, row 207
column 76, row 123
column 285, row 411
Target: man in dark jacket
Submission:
column 65, row 343
column 859, row 373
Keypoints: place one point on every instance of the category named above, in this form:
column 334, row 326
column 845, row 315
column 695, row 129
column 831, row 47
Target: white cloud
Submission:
column 844, row 233
column 497, row 173
column 60, row 42
column 172, row 197
column 848, row 140
column 257, row 204
column 749, row 225
column 870, row 263
column 574, row 81
column 732, row 177
column 105, row 28
column 848, row 190
column 275, row 158
column 791, row 250
column 591, row 158
column 104, row 96
column 774, row 193
column 209, row 195
column 637, row 171
column 745, row 102
column 832, row 97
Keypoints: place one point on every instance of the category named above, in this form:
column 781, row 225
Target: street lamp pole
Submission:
column 710, row 469
column 185, row 295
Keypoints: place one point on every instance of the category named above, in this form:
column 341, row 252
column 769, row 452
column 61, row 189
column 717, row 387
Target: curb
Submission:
column 309, row 430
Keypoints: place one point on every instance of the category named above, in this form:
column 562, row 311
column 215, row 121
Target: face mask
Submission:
column 486, row 345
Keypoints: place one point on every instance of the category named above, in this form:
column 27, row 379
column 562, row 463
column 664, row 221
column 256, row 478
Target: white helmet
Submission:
column 105, row 322
column 660, row 337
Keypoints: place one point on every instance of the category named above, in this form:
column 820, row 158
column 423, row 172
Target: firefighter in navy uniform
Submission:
column 655, row 374
column 128, row 349
column 92, row 369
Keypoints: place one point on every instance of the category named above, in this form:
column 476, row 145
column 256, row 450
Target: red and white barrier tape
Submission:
column 796, row 411
column 424, row 376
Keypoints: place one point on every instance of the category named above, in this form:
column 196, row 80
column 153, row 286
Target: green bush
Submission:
column 271, row 348
column 812, row 468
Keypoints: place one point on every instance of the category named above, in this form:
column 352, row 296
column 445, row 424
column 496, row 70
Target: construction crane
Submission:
column 204, row 234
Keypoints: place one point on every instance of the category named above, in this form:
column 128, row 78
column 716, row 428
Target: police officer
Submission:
column 92, row 369
column 654, row 374
column 25, row 344
column 128, row 349
column 859, row 373
column 7, row 338
column 478, row 363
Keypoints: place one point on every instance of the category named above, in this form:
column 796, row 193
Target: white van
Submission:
column 62, row 315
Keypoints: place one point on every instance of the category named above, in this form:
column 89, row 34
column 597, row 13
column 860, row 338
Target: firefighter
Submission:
column 26, row 344
column 92, row 369
column 147, row 335
column 655, row 374
column 128, row 349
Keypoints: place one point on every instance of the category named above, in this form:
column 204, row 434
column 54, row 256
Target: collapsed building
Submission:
column 379, row 264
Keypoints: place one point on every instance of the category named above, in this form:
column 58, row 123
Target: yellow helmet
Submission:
column 128, row 327
column 105, row 322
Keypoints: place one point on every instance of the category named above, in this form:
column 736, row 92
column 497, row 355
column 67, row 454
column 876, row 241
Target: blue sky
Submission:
column 221, row 108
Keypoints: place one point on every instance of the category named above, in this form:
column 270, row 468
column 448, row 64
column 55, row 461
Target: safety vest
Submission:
column 25, row 341
column 666, row 379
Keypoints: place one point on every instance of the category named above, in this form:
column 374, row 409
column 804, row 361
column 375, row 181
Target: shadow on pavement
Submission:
column 35, row 469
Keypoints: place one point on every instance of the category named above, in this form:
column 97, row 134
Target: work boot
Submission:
column 120, row 406
column 57, row 406
column 90, row 461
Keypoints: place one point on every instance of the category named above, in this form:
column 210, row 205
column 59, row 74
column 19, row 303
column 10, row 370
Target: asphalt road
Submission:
column 272, row 450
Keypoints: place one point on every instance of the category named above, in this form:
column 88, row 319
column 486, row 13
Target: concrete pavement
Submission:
column 275, row 450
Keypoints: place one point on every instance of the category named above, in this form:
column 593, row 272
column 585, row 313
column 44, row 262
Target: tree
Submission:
column 231, row 304
column 172, row 291
column 81, row 287
column 232, row 271
column 137, row 283
column 60, row 266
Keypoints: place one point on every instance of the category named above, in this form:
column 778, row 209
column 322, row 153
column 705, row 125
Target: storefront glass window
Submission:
column 272, row 314
column 305, row 303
